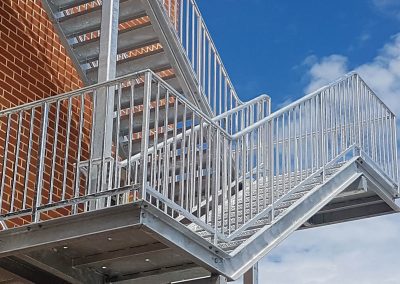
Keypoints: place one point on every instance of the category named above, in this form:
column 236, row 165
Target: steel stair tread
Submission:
column 128, row 39
column 139, row 94
column 89, row 20
column 61, row 5
column 137, row 123
column 155, row 61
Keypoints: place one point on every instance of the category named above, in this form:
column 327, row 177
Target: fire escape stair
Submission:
column 146, row 40
column 139, row 242
column 104, row 242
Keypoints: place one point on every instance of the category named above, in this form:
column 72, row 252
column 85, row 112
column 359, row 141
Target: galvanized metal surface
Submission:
column 224, row 181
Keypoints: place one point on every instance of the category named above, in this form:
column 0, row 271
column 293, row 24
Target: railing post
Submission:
column 40, row 167
column 395, row 157
column 215, row 187
column 322, row 134
column 145, row 133
column 271, row 168
column 104, row 102
column 358, row 93
column 251, row 276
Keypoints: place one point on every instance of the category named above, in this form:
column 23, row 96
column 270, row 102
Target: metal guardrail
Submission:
column 188, row 165
column 268, row 158
column 191, row 30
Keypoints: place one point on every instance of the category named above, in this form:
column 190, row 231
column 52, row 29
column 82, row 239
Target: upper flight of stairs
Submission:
column 168, row 38
column 139, row 47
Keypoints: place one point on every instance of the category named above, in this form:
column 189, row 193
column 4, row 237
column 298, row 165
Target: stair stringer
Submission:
column 51, row 12
column 176, row 54
column 256, row 247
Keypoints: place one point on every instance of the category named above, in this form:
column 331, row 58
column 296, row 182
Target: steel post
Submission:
column 251, row 276
column 103, row 110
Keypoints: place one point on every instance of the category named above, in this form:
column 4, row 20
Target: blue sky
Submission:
column 288, row 48
column 264, row 43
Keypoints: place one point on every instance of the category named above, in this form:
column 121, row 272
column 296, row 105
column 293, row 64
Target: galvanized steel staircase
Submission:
column 194, row 172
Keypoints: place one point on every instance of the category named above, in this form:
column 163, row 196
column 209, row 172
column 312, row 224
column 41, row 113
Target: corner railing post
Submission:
column 40, row 167
column 145, row 133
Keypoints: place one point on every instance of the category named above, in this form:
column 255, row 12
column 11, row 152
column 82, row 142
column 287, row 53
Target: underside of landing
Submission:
column 138, row 243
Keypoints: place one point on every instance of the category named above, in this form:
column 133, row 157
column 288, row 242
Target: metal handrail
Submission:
column 201, row 52
column 274, row 146
column 196, row 167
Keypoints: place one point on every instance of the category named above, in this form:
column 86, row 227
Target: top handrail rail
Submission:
column 302, row 100
column 71, row 93
column 243, row 106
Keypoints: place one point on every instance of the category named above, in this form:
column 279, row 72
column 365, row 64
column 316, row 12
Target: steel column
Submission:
column 251, row 276
column 104, row 101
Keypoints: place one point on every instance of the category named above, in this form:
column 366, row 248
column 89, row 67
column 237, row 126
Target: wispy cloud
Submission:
column 324, row 71
column 382, row 74
column 354, row 252
column 388, row 7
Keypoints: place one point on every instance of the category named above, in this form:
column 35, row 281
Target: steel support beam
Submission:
column 57, row 265
column 59, row 231
column 119, row 254
column 108, row 40
column 104, row 101
column 251, row 276
column 163, row 275
column 28, row 272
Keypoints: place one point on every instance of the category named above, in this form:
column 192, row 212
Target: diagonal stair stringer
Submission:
column 236, row 263
column 176, row 54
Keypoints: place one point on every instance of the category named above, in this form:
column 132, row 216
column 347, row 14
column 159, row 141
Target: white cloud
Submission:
column 325, row 71
column 364, row 251
column 354, row 252
column 382, row 74
column 390, row 8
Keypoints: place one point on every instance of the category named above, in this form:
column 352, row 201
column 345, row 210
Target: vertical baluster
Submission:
column 200, row 173
column 92, row 142
column 67, row 142
column 289, row 149
column 40, row 165
column 187, row 26
column 166, row 149
column 117, row 138
column 272, row 172
column 54, row 152
column 192, row 168
column 78, row 158
column 16, row 160
column 132, row 110
column 216, row 188
column 209, row 171
column 183, row 156
column 28, row 159
column 174, row 151
column 145, row 132
column 5, row 161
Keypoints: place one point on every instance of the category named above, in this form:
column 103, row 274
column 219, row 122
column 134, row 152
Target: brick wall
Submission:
column 33, row 65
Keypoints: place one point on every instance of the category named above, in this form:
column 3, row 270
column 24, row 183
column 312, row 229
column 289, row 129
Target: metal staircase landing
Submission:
column 137, row 243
